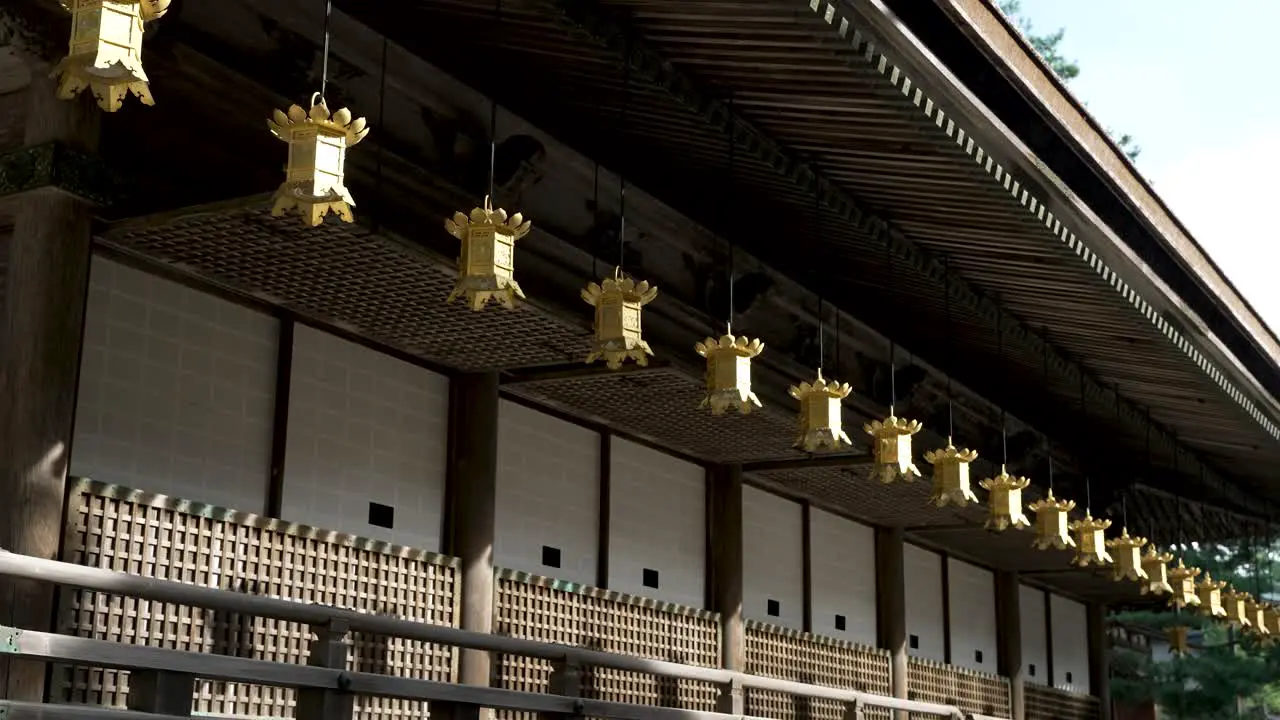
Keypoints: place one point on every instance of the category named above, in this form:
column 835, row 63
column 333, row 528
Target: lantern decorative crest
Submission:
column 1257, row 614
column 821, row 426
column 951, row 475
column 1178, row 639
column 1128, row 556
column 729, row 373
column 891, row 448
column 1004, row 501
column 1210, row 592
column 318, row 143
column 106, row 50
column 1236, row 604
column 619, row 301
column 1091, row 541
column 1156, row 565
column 1183, row 580
column 1052, row 515
column 486, row 265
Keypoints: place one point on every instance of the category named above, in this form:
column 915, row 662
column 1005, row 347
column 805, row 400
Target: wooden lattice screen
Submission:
column 802, row 657
column 156, row 536
column 561, row 612
column 970, row 690
column 1046, row 703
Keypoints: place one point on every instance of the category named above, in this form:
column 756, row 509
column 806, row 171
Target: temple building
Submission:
column 827, row 341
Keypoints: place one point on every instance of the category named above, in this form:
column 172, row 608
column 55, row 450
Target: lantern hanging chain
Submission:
column 822, row 319
column 623, row 110
column 946, row 309
column 382, row 111
column 595, row 217
column 1004, row 429
column 1084, row 413
column 1124, row 511
column 493, row 108
column 837, row 367
column 1044, row 364
column 324, row 54
column 733, row 175
column 893, row 347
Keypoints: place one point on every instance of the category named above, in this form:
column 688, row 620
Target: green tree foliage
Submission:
column 1206, row 684
column 1047, row 45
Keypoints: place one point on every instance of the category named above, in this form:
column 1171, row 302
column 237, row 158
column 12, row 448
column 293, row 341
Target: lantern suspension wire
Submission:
column 1088, row 490
column 595, row 216
column 893, row 346
column 622, row 135
column 382, row 111
column 1004, row 430
column 946, row 308
column 324, row 54
column 493, row 108
column 733, row 176
column 822, row 315
column 1048, row 442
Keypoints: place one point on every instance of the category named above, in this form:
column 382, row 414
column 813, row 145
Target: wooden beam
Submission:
column 574, row 371
column 808, row 461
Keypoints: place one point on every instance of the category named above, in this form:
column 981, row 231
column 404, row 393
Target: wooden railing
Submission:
column 1046, row 703
column 970, row 690
column 802, row 657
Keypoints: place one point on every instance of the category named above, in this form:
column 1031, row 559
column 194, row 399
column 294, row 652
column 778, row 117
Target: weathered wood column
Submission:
column 1009, row 641
column 43, row 317
column 473, row 471
column 724, row 525
column 1100, row 659
column 891, row 607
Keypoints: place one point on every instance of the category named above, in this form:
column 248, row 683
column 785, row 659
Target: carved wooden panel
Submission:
column 970, row 690
column 803, row 657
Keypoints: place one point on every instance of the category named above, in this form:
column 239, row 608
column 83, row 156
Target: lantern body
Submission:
column 1183, row 581
column 619, row 302
column 1271, row 617
column 314, row 182
column 1257, row 617
column 821, row 412
column 1178, row 636
column 891, row 449
column 1156, row 565
column 105, row 53
column 728, row 377
column 486, row 264
column 1237, row 607
column 1053, row 523
column 1210, row 593
column 951, row 476
column 1091, row 542
column 1127, row 552
column 1004, row 501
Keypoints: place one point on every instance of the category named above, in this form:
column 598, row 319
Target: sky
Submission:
column 1194, row 82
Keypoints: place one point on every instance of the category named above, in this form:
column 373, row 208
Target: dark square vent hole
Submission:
column 773, row 608
column 550, row 556
column 1068, row 677
column 650, row 578
column 383, row 516
column 840, row 624
column 1031, row 669
column 977, row 656
column 914, row 641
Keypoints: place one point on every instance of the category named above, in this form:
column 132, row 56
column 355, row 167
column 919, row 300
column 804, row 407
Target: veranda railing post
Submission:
column 158, row 691
column 328, row 650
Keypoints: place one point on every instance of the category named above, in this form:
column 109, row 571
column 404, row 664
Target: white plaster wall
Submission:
column 773, row 551
column 973, row 616
column 657, row 521
column 1070, row 644
column 843, row 554
column 923, row 583
column 364, row 427
column 176, row 391
column 548, row 494
column 1035, row 648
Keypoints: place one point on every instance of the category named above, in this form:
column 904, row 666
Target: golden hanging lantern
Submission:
column 821, row 409
column 951, row 475
column 1236, row 604
column 891, row 448
column 729, row 373
column 1178, row 639
column 1271, row 617
column 1156, row 565
column 619, row 301
column 1091, row 541
column 486, row 265
column 1052, row 529
column 1183, row 580
column 314, row 174
column 1257, row 615
column 105, row 56
column 1210, row 592
column 1128, row 556
column 1004, row 501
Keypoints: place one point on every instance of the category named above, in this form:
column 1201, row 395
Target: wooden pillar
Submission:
column 472, row 481
column 1100, row 659
column 891, row 607
column 724, row 526
column 43, row 317
column 1009, row 641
